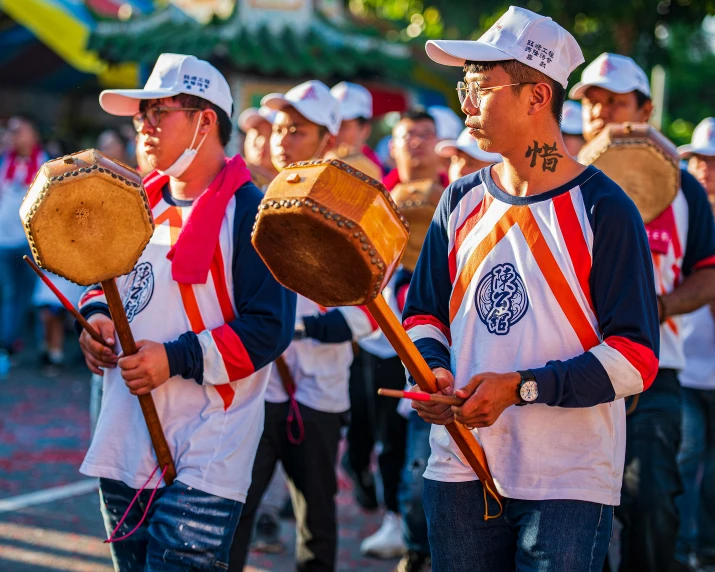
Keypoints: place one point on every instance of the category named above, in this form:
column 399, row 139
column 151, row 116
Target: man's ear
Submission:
column 209, row 118
column 646, row 111
column 540, row 98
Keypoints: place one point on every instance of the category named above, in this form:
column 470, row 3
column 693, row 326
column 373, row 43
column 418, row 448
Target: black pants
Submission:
column 374, row 418
column 310, row 468
column 651, row 480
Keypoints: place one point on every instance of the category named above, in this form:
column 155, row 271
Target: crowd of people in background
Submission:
column 346, row 358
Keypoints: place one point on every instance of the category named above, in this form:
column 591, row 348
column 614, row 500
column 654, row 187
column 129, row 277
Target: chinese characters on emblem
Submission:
column 547, row 153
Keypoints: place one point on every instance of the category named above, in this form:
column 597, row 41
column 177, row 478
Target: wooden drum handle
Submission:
column 421, row 372
column 124, row 332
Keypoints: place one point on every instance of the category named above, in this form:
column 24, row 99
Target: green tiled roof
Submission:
column 323, row 50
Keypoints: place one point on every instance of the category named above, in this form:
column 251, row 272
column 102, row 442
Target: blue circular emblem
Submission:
column 501, row 299
column 138, row 289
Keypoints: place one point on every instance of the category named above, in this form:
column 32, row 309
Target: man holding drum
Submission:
column 613, row 89
column 209, row 316
column 524, row 296
column 307, row 394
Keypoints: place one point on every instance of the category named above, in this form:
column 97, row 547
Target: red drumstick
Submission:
column 96, row 336
column 434, row 397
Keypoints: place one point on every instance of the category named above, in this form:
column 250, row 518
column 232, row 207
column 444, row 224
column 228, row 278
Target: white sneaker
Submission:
column 387, row 542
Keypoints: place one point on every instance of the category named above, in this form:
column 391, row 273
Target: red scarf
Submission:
column 193, row 252
column 33, row 165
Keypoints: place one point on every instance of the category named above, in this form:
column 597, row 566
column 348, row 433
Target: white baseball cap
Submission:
column 172, row 74
column 252, row 116
column 522, row 35
column 619, row 74
column 355, row 100
column 465, row 142
column 449, row 125
column 312, row 100
column 571, row 122
column 703, row 141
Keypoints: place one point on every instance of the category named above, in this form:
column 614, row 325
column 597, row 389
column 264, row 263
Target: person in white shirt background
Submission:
column 696, row 537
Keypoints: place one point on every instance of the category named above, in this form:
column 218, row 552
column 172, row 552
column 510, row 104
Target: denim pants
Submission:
column 17, row 284
column 529, row 536
column 414, row 523
column 697, row 469
column 185, row 529
column 651, row 479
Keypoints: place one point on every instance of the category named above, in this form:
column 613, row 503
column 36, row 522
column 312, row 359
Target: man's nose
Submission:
column 468, row 108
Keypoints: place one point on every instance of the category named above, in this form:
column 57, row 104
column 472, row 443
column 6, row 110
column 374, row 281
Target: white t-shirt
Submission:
column 699, row 345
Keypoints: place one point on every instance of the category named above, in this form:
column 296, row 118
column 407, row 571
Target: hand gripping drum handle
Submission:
column 421, row 372
column 124, row 332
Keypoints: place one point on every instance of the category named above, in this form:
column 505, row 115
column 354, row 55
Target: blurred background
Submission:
column 56, row 55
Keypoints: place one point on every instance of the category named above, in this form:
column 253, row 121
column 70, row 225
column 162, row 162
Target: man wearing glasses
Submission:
column 532, row 300
column 209, row 318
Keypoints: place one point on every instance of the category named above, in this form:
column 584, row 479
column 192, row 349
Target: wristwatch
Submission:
column 528, row 390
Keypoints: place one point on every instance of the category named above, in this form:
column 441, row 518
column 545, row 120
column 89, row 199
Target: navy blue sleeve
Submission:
column 700, row 244
column 186, row 357
column 624, row 300
column 426, row 313
column 328, row 328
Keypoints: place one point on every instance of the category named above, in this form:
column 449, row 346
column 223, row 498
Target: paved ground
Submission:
column 44, row 430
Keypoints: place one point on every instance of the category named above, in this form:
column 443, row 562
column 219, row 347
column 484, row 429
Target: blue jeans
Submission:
column 414, row 523
column 17, row 284
column 697, row 468
column 543, row 536
column 651, row 480
column 185, row 529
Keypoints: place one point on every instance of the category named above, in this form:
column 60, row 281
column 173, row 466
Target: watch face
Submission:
column 529, row 391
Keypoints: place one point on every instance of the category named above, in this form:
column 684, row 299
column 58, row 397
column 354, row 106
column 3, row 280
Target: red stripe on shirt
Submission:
column 373, row 323
column 235, row 356
column 425, row 320
column 575, row 241
column 463, row 231
column 705, row 262
column 639, row 356
column 402, row 297
column 89, row 295
column 218, row 274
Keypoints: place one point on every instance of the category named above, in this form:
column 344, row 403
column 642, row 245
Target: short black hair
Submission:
column 362, row 121
column 417, row 114
column 225, row 127
column 521, row 73
column 641, row 98
column 31, row 120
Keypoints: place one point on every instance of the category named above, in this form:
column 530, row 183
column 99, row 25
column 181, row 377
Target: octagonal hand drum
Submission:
column 642, row 161
column 417, row 200
column 325, row 230
column 335, row 236
column 87, row 219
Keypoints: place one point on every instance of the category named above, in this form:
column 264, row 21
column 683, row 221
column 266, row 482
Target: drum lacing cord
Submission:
column 131, row 504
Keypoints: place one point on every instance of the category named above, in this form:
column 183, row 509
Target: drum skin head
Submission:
column 641, row 161
column 417, row 200
column 87, row 217
column 330, row 233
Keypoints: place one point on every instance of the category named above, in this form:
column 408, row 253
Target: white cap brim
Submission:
column 448, row 148
column 578, row 91
column 456, row 52
column 278, row 102
column 687, row 150
column 250, row 118
column 125, row 102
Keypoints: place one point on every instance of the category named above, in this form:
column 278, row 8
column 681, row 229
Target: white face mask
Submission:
column 187, row 157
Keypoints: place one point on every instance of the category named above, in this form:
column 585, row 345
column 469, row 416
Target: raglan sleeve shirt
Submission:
column 264, row 322
column 623, row 294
